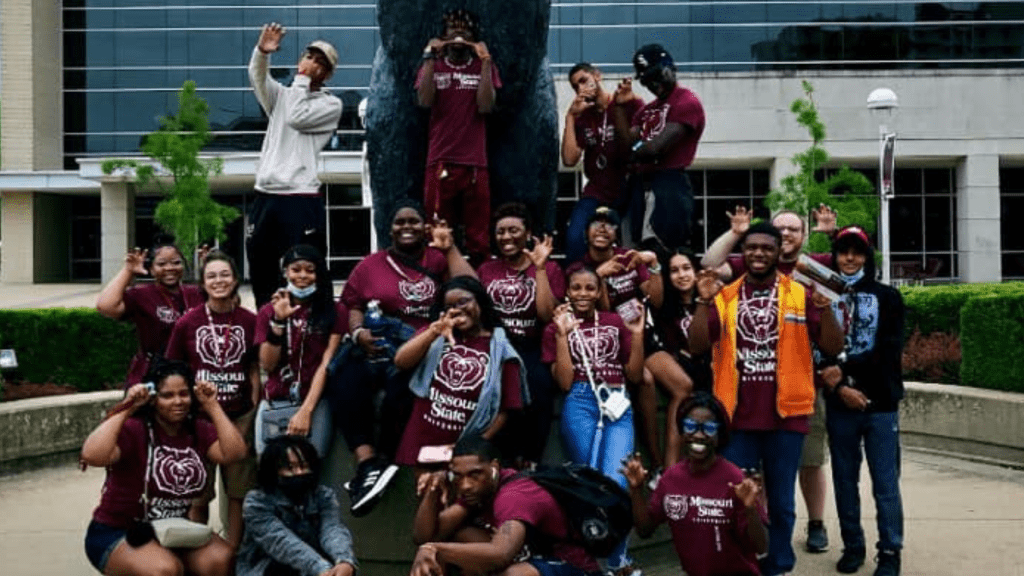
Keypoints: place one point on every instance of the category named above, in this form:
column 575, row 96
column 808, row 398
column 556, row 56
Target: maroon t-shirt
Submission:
column 178, row 475
column 757, row 338
column 154, row 310
column 739, row 267
column 605, row 159
column 454, row 392
column 403, row 292
column 524, row 500
column 218, row 347
column 707, row 519
column 514, row 294
column 607, row 341
column 621, row 286
column 681, row 106
column 302, row 350
column 458, row 132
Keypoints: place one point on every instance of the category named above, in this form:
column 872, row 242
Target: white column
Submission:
column 117, row 225
column 977, row 218
column 781, row 168
column 16, row 257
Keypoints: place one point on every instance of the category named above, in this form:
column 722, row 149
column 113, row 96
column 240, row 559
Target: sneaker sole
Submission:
column 816, row 550
column 365, row 503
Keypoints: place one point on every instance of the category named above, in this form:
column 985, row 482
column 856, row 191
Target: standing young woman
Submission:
column 158, row 439
column 153, row 308
column 724, row 533
column 467, row 375
column 403, row 280
column 665, row 342
column 525, row 286
column 297, row 333
column 589, row 348
column 216, row 341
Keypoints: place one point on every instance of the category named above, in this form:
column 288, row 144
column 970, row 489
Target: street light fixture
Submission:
column 883, row 104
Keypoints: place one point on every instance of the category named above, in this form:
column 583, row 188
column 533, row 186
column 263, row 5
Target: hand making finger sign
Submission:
column 708, row 284
column 541, row 250
column 135, row 261
column 565, row 320
column 739, row 221
column 747, row 491
column 282, row 304
column 624, row 91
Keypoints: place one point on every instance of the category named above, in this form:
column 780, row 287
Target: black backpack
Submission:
column 599, row 511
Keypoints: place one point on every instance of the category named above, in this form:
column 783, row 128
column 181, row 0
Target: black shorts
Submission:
column 100, row 541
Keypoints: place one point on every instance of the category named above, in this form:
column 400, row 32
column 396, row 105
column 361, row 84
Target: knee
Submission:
column 165, row 565
column 218, row 561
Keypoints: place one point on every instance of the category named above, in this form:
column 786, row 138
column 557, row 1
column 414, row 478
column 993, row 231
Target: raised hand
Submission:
column 565, row 320
column 270, row 37
column 441, row 236
column 634, row 471
column 624, row 91
column 137, row 396
column 135, row 261
column 739, row 221
column 579, row 104
column 747, row 491
column 481, row 50
column 708, row 284
column 541, row 250
column 282, row 304
column 435, row 45
column 206, row 393
column 610, row 267
column 824, row 218
column 443, row 325
column 433, row 484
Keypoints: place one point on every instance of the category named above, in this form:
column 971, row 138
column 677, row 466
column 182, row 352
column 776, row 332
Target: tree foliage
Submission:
column 188, row 211
column 846, row 191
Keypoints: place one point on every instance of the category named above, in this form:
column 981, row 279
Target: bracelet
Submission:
column 703, row 301
column 428, row 54
column 278, row 323
column 637, row 146
column 355, row 334
column 656, row 269
column 275, row 339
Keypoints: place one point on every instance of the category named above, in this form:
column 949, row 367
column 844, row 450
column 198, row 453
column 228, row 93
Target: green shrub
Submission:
column 73, row 346
column 937, row 308
column 992, row 337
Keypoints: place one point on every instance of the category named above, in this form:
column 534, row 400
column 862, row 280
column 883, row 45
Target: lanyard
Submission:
column 220, row 340
column 399, row 271
column 297, row 375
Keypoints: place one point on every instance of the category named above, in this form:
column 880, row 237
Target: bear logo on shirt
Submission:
column 512, row 295
column 462, row 368
column 220, row 346
column 178, row 472
column 676, row 506
column 419, row 291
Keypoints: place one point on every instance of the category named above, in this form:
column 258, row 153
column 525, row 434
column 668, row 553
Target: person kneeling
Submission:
column 293, row 525
column 716, row 515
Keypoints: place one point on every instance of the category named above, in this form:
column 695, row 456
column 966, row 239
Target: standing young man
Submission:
column 288, row 208
column 590, row 134
column 865, row 390
column 663, row 138
column 793, row 228
column 457, row 82
column 760, row 329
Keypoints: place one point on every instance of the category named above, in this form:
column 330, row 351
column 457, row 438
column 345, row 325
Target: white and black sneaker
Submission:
column 372, row 477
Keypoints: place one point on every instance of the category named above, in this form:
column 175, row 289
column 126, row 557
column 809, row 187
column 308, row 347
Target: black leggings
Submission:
column 351, row 391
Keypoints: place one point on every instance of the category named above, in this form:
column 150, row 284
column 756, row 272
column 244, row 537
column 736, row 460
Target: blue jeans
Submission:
column 580, row 416
column 576, row 232
column 879, row 432
column 777, row 454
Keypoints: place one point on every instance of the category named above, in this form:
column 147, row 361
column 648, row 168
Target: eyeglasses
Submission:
column 602, row 224
column 690, row 426
column 461, row 302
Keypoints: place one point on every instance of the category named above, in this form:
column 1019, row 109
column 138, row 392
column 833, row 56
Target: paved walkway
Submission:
column 961, row 518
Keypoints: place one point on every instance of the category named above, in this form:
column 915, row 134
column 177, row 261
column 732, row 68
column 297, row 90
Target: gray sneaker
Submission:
column 817, row 537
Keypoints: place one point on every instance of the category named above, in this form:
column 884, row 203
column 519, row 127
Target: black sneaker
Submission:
column 372, row 477
column 888, row 563
column 851, row 560
column 817, row 537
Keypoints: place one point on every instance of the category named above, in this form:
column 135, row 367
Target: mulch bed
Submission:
column 23, row 390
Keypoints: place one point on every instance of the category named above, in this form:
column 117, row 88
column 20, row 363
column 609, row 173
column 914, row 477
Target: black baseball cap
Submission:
column 651, row 58
column 604, row 214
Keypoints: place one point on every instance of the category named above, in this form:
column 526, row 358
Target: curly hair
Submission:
column 489, row 317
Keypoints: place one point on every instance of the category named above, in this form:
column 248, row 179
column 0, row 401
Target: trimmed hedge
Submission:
column 937, row 308
column 992, row 338
column 73, row 346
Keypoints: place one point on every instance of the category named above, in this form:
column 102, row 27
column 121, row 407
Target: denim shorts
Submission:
column 556, row 567
column 100, row 541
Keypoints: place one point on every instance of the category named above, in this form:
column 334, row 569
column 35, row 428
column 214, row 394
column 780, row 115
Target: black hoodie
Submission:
column 872, row 316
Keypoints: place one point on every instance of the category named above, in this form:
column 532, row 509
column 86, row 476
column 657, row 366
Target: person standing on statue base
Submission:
column 663, row 138
column 288, row 208
column 457, row 82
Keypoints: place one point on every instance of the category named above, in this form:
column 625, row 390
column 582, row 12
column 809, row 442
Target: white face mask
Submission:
column 301, row 293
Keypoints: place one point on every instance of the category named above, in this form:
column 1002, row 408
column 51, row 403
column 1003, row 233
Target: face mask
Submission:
column 295, row 487
column 852, row 279
column 301, row 293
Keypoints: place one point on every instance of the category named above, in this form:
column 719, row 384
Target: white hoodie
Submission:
column 301, row 123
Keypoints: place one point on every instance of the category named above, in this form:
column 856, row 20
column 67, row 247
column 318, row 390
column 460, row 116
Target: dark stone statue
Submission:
column 522, row 131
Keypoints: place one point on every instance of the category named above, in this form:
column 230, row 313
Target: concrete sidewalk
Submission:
column 961, row 518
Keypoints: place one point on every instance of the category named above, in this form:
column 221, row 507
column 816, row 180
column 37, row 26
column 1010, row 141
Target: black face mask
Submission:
column 298, row 486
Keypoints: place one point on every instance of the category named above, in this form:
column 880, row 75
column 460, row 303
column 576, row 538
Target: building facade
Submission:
column 84, row 80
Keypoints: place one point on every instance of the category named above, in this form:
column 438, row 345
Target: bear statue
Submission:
column 522, row 130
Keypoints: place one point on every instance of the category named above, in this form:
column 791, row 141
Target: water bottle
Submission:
column 375, row 321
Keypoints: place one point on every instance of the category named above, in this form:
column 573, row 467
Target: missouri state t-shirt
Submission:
column 681, row 106
column 708, row 521
column 218, row 346
column 621, row 286
column 301, row 352
column 403, row 291
column 605, row 159
column 605, row 340
column 154, row 309
column 458, row 132
column 178, row 473
column 455, row 391
column 514, row 294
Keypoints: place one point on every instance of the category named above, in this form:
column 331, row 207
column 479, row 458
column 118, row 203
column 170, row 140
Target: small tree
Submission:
column 847, row 192
column 188, row 212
